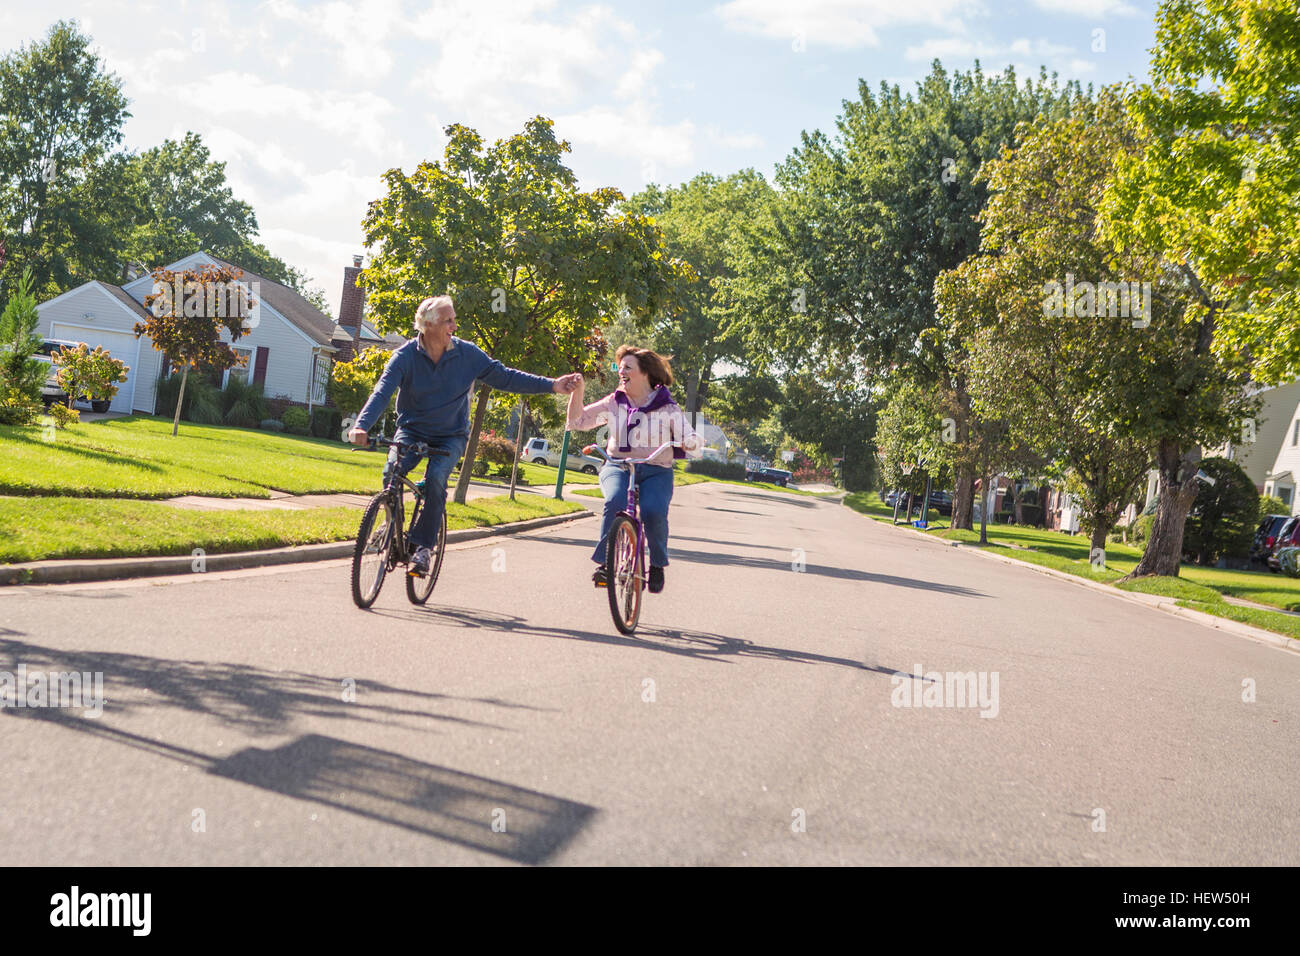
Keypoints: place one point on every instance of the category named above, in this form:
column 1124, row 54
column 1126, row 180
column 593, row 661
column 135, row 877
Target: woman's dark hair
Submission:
column 654, row 365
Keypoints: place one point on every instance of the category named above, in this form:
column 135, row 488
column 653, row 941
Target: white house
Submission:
column 290, row 349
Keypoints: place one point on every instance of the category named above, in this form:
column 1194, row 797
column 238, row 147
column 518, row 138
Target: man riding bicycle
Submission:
column 434, row 374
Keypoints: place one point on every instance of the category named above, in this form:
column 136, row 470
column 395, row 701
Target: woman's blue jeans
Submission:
column 656, row 486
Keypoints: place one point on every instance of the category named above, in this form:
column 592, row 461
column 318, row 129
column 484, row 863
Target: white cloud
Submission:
column 734, row 140
column 1054, row 56
column 844, row 24
column 1094, row 9
column 631, row 133
column 359, row 31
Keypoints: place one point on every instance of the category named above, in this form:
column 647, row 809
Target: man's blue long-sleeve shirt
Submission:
column 433, row 398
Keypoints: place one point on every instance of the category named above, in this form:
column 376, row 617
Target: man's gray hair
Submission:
column 427, row 312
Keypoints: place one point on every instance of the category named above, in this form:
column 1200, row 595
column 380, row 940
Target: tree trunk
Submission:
column 176, row 421
column 984, row 506
column 964, row 499
column 1164, row 550
column 1099, row 533
column 467, row 466
column 519, row 444
column 1017, row 497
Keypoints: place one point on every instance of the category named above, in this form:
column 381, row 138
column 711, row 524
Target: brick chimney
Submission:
column 354, row 300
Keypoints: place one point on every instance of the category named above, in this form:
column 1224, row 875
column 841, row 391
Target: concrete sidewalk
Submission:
column 282, row 501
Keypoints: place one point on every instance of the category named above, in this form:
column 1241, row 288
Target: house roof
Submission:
column 312, row 321
column 124, row 297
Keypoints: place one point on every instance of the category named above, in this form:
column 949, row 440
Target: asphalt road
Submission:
column 757, row 717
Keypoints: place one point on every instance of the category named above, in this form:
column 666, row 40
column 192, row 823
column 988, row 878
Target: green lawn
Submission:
column 1199, row 588
column 137, row 457
column 39, row 528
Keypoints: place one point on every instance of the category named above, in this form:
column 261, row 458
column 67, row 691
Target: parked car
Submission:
column 1265, row 538
column 777, row 476
column 941, row 501
column 540, row 452
column 1287, row 537
column 52, row 391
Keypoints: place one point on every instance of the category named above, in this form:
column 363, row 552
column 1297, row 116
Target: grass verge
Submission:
column 48, row 528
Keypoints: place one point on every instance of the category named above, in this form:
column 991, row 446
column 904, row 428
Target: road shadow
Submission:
column 476, row 812
column 491, row 816
column 799, row 501
column 687, row 556
column 701, row 645
column 247, row 698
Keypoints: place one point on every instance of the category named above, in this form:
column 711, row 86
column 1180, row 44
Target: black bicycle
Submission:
column 382, row 540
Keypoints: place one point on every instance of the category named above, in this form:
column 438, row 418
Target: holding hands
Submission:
column 568, row 384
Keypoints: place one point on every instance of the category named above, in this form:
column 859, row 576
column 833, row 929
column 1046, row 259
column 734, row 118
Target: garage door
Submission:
column 121, row 345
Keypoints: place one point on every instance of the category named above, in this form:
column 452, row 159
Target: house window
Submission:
column 239, row 372
column 1285, row 495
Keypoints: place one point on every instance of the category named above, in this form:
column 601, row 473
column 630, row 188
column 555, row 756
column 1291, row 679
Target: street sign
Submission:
column 787, row 456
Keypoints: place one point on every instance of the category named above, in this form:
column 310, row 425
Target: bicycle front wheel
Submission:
column 623, row 574
column 419, row 589
column 370, row 557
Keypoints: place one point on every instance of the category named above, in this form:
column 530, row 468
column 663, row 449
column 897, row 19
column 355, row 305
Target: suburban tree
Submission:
column 535, row 265
column 62, row 192
column 1062, row 379
column 869, row 219
column 21, row 375
column 1215, row 187
column 189, row 311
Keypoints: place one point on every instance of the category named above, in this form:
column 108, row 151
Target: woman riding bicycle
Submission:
column 642, row 416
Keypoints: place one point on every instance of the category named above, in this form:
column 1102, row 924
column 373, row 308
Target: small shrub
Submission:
column 1273, row 505
column 243, row 404
column 325, row 422
column 496, row 450
column 64, row 416
column 17, row 407
column 204, row 401
column 1222, row 520
column 295, row 420
column 1288, row 560
column 730, row 470
column 271, row 425
column 480, row 468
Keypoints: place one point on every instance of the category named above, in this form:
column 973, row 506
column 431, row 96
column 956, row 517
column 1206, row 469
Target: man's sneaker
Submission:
column 419, row 563
column 598, row 577
column 656, row 579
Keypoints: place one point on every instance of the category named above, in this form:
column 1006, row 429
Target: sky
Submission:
column 308, row 104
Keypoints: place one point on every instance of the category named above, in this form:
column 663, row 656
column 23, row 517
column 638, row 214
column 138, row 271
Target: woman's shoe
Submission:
column 656, row 579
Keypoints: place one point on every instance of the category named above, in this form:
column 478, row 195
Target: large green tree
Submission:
column 869, row 218
column 701, row 220
column 536, row 266
column 1062, row 380
column 1215, row 188
column 62, row 190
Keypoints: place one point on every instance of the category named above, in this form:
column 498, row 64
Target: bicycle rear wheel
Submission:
column 419, row 589
column 623, row 574
column 370, row 557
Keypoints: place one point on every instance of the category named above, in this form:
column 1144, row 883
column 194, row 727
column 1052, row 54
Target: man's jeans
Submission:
column 656, row 486
column 425, row 532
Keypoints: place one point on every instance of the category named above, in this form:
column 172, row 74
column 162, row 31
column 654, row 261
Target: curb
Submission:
column 1153, row 601
column 110, row 569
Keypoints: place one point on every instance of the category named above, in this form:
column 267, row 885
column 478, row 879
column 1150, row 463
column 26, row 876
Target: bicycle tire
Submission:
column 419, row 589
column 623, row 574
column 371, row 554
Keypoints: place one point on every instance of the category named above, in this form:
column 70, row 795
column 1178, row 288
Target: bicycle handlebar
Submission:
column 596, row 450
column 421, row 448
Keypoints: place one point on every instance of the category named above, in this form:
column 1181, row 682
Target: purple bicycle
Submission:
column 626, row 571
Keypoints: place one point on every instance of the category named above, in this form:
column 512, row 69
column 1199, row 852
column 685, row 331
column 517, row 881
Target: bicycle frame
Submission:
column 398, row 553
column 633, row 510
